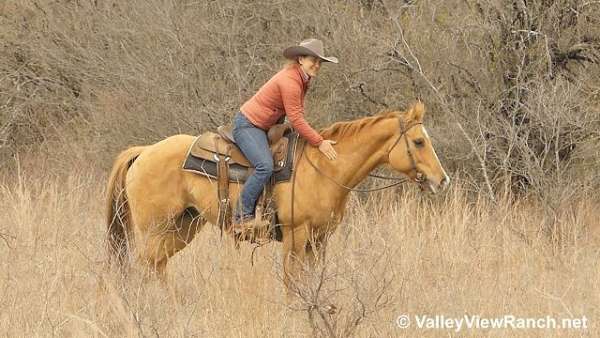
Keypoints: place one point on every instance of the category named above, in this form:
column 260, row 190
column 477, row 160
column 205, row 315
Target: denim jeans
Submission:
column 254, row 144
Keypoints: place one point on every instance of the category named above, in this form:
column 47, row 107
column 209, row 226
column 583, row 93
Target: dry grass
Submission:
column 396, row 252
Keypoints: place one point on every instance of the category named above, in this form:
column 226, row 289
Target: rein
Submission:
column 400, row 180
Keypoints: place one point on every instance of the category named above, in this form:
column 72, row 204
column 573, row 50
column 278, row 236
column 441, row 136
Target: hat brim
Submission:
column 295, row 51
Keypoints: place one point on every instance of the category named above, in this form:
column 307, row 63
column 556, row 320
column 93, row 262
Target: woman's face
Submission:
column 310, row 64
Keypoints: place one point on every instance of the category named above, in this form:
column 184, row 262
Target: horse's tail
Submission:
column 118, row 217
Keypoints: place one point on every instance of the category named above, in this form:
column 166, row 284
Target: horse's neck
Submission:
column 358, row 154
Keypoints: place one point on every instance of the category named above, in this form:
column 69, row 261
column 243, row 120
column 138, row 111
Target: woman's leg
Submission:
column 254, row 144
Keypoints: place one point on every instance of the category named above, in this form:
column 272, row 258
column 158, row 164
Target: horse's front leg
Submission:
column 294, row 255
column 315, row 252
column 303, row 252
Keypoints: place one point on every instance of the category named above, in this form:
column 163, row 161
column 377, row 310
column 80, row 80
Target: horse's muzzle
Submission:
column 426, row 183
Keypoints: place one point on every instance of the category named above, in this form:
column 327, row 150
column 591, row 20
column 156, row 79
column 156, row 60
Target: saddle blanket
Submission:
column 239, row 173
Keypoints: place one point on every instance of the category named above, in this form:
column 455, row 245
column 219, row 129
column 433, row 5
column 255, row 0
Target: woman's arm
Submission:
column 291, row 93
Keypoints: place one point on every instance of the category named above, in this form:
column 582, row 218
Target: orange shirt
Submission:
column 282, row 94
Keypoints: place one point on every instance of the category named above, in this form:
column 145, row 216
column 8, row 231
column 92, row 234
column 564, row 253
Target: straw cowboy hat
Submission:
column 312, row 47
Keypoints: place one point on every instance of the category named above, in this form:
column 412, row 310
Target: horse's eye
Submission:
column 419, row 142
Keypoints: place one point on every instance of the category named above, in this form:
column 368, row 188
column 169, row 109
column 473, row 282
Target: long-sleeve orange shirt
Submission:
column 282, row 94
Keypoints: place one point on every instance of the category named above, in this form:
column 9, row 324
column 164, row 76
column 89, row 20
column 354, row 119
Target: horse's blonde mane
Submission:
column 349, row 128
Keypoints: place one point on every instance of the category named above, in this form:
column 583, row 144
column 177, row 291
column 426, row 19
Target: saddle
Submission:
column 209, row 145
column 217, row 156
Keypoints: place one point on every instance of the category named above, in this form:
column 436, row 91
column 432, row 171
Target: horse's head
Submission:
column 412, row 153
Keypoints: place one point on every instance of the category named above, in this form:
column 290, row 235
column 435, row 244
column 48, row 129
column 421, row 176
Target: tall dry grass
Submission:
column 396, row 252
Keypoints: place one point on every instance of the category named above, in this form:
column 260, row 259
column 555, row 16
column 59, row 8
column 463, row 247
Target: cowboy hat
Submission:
column 312, row 47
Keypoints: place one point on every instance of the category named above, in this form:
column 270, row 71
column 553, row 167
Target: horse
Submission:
column 154, row 208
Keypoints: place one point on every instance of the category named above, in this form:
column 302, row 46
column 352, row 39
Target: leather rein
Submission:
column 403, row 132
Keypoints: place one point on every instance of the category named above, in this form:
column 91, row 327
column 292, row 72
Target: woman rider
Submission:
column 282, row 95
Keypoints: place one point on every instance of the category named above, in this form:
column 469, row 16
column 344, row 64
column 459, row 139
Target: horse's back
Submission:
column 175, row 146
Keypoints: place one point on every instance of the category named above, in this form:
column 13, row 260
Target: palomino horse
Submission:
column 156, row 208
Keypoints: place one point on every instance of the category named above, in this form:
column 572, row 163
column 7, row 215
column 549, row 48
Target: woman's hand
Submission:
column 326, row 148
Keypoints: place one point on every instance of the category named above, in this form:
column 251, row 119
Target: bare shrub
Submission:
column 86, row 79
column 341, row 293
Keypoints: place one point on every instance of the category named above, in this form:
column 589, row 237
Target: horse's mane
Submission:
column 348, row 128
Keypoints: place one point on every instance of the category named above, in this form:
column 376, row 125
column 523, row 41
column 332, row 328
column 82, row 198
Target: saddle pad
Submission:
column 239, row 173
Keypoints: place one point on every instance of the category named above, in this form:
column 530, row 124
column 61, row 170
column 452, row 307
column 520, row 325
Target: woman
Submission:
column 282, row 95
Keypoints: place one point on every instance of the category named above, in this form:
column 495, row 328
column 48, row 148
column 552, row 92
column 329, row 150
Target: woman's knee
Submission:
column 265, row 167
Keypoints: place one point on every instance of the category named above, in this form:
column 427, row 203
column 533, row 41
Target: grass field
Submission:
column 396, row 252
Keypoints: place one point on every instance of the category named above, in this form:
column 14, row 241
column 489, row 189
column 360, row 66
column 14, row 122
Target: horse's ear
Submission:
column 416, row 112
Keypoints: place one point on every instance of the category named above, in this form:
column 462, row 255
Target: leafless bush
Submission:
column 359, row 279
column 509, row 85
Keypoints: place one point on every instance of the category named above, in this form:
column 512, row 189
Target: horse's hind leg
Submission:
column 169, row 239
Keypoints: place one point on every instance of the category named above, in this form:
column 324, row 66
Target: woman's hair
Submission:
column 291, row 62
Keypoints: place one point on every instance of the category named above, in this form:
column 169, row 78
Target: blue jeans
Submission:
column 254, row 144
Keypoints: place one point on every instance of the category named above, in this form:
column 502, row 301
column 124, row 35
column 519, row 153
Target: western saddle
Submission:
column 217, row 156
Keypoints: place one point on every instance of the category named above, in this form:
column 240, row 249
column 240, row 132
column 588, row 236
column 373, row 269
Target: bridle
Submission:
column 403, row 131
